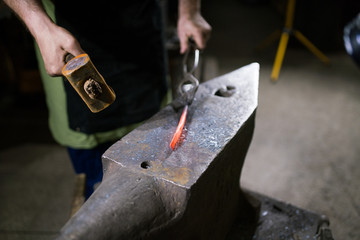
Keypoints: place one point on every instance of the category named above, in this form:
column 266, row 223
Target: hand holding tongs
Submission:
column 186, row 90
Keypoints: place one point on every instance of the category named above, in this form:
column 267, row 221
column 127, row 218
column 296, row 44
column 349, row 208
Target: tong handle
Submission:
column 192, row 48
column 188, row 86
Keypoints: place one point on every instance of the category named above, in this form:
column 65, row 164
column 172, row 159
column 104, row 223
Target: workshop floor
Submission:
column 305, row 149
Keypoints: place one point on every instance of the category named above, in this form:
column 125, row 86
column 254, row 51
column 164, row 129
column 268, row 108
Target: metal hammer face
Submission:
column 151, row 192
column 89, row 84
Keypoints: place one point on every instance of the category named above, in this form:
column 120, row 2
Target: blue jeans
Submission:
column 88, row 161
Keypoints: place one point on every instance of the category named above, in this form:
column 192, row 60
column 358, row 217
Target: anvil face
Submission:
column 213, row 120
column 151, row 192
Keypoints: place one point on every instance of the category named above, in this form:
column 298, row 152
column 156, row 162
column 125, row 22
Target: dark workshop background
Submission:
column 305, row 150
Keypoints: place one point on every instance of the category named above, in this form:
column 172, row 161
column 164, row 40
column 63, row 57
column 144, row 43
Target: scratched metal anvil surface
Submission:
column 151, row 192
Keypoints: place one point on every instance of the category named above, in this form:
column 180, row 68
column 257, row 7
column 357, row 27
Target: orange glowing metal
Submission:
column 179, row 128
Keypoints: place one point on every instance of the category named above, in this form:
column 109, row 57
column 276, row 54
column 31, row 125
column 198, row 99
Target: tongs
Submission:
column 186, row 89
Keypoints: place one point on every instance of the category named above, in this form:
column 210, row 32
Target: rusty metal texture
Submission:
column 151, row 192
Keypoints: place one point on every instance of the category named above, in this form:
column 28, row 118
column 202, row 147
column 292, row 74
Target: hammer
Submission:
column 88, row 82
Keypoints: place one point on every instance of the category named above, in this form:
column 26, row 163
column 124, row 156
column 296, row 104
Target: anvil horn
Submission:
column 151, row 192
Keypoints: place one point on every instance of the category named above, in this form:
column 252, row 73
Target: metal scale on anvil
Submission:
column 150, row 191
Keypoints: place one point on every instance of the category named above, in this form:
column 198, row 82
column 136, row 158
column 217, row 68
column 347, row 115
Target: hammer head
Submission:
column 88, row 82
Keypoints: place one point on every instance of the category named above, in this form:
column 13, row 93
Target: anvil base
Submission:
column 270, row 219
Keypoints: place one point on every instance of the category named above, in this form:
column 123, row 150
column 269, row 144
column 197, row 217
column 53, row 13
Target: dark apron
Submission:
column 125, row 43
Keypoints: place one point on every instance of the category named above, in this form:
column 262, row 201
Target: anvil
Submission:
column 151, row 192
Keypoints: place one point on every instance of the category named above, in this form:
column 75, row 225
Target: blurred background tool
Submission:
column 352, row 39
column 284, row 39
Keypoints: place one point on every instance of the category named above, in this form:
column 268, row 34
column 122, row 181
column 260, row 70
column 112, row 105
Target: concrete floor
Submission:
column 305, row 149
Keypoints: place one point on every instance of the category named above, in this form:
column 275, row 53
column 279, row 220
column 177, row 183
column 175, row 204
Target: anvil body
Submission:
column 151, row 192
